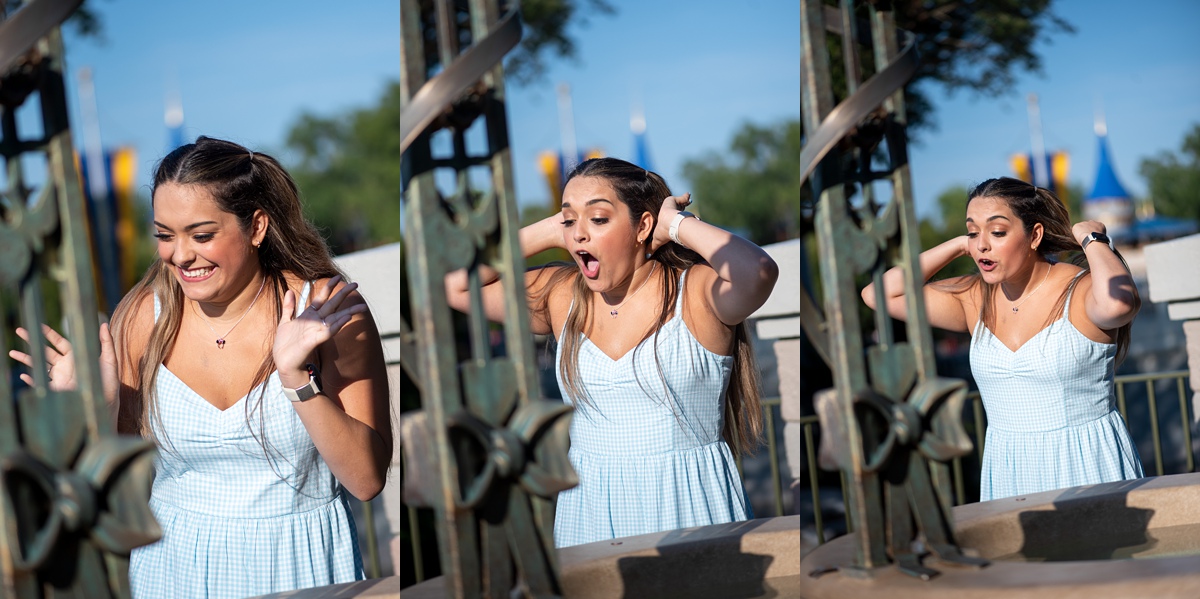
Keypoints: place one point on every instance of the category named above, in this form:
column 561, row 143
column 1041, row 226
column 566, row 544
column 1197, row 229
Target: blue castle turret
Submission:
column 1108, row 201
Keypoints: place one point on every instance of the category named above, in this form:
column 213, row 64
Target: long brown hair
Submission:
column 644, row 191
column 1034, row 205
column 241, row 182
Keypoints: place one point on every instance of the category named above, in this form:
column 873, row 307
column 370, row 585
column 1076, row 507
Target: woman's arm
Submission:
column 943, row 308
column 546, row 234
column 350, row 420
column 1113, row 300
column 745, row 274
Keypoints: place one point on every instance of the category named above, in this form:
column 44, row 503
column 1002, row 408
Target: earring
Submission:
column 649, row 255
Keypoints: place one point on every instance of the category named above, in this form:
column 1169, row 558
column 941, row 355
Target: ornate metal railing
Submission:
column 892, row 425
column 74, row 495
column 978, row 425
column 492, row 453
column 771, row 452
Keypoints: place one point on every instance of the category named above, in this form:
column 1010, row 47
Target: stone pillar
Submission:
column 1173, row 274
column 778, row 322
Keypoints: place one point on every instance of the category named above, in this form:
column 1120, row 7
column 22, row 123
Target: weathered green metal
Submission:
column 494, row 453
column 1178, row 377
column 890, row 424
column 73, row 495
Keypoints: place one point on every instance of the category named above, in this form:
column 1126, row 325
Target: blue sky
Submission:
column 247, row 70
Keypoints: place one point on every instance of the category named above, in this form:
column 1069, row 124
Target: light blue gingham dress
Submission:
column 648, row 447
column 1051, row 411
column 236, row 524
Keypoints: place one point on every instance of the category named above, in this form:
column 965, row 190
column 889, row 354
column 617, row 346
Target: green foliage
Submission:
column 977, row 46
column 545, row 30
column 752, row 187
column 952, row 204
column 347, row 172
column 1174, row 179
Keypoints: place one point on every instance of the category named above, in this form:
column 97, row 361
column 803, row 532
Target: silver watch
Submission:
column 308, row 391
column 1094, row 236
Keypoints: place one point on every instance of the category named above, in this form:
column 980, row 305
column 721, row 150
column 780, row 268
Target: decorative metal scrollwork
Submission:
column 528, row 451
column 103, row 499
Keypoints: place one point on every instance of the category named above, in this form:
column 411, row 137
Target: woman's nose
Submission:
column 181, row 253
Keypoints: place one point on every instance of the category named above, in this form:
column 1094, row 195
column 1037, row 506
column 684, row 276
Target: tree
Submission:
column 1174, row 180
column 977, row 46
column 754, row 190
column 546, row 24
column 347, row 172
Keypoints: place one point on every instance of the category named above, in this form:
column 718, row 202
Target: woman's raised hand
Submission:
column 666, row 213
column 298, row 336
column 60, row 361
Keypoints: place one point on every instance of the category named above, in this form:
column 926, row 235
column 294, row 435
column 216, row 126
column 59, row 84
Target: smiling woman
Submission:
column 244, row 307
column 1045, row 368
column 653, row 352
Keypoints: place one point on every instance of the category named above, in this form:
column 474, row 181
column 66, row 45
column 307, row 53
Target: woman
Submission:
column 243, row 311
column 653, row 352
column 1046, row 338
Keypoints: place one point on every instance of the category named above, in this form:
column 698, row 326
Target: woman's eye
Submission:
column 162, row 236
column 600, row 220
column 999, row 233
column 972, row 235
column 568, row 222
column 203, row 237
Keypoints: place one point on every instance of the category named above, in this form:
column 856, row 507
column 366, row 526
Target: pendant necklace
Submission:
column 615, row 310
column 1014, row 308
column 221, row 339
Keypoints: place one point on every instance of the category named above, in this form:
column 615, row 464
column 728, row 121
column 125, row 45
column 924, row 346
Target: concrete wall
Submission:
column 776, row 327
column 377, row 272
column 1173, row 276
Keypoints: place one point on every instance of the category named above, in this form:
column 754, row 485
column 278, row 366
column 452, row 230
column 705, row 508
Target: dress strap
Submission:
column 1070, row 290
column 679, row 298
column 157, row 307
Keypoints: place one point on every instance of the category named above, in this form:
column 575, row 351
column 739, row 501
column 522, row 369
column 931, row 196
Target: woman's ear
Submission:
column 1038, row 233
column 258, row 227
column 645, row 229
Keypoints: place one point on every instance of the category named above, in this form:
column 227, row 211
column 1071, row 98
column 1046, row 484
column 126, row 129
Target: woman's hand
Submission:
column 297, row 337
column 671, row 206
column 1084, row 228
column 60, row 361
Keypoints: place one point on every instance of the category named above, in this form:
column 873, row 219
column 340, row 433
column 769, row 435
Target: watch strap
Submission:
column 1094, row 236
column 673, row 230
column 307, row 392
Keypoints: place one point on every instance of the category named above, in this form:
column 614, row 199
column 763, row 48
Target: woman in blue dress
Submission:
column 260, row 375
column 652, row 352
column 1046, row 338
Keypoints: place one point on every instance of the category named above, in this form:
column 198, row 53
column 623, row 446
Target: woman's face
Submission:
column 598, row 233
column 213, row 258
column 997, row 240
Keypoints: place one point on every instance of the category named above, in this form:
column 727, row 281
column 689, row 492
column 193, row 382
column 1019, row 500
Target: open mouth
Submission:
column 588, row 263
column 195, row 274
column 986, row 265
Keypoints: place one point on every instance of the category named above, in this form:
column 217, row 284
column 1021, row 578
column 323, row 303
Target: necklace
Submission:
column 615, row 310
column 1014, row 308
column 221, row 338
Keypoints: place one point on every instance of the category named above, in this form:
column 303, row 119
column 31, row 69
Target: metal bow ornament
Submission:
column 926, row 427
column 531, row 450
column 105, row 499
